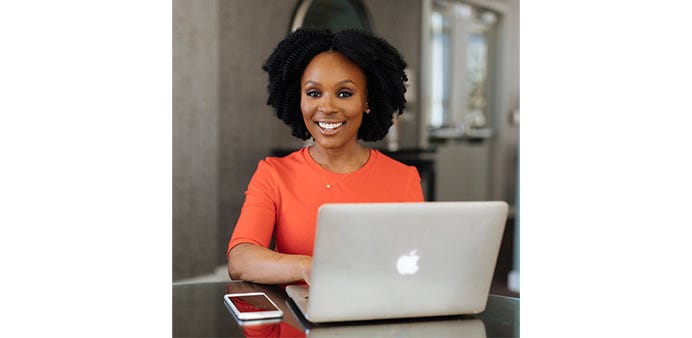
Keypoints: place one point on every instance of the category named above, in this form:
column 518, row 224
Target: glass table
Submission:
column 199, row 311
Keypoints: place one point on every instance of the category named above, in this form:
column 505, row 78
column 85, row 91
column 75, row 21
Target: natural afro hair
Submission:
column 381, row 63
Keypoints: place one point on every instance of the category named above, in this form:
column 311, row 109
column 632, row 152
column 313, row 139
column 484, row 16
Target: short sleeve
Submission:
column 258, row 214
column 416, row 189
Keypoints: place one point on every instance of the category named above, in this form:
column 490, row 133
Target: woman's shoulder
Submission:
column 276, row 168
column 389, row 163
column 292, row 160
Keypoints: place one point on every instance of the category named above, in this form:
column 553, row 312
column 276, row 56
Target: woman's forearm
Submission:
column 258, row 264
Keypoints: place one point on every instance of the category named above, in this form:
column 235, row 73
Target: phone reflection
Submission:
column 266, row 330
column 460, row 327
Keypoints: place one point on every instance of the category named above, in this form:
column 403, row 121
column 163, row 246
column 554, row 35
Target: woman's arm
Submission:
column 258, row 264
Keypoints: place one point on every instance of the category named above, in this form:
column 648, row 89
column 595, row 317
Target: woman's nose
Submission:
column 327, row 105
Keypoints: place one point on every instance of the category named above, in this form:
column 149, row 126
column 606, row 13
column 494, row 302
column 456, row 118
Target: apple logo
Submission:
column 408, row 264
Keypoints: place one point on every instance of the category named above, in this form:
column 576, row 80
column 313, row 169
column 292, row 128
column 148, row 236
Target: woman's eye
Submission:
column 345, row 94
column 312, row 93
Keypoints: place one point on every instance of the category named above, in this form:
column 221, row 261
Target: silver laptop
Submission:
column 400, row 260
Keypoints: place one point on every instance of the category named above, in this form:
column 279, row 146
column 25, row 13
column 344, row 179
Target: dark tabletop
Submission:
column 199, row 311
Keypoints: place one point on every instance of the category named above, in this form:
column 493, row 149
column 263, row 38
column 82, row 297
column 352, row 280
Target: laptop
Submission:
column 401, row 260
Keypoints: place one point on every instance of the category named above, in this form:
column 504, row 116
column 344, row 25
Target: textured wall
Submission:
column 248, row 129
column 195, row 133
column 221, row 125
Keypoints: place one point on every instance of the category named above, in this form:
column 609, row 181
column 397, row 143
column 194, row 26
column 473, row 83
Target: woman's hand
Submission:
column 306, row 268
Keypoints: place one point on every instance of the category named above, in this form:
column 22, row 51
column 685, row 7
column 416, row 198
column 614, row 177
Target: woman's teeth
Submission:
column 329, row 126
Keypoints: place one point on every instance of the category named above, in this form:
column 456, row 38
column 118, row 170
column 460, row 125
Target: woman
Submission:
column 336, row 89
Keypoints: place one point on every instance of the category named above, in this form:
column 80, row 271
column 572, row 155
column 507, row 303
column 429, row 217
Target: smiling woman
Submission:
column 338, row 89
column 380, row 62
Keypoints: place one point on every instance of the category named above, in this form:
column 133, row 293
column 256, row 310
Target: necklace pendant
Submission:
column 329, row 186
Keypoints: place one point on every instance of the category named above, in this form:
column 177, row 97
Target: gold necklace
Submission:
column 328, row 185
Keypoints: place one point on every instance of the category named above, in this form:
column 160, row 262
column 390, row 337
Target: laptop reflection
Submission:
column 459, row 327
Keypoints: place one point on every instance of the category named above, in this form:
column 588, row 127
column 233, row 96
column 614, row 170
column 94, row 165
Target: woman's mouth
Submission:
column 329, row 126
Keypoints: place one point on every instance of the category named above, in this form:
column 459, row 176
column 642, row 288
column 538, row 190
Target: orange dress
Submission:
column 285, row 193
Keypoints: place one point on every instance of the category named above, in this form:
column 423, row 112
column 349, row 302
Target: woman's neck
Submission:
column 341, row 160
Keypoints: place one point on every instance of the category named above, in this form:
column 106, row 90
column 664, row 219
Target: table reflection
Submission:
column 472, row 327
column 199, row 310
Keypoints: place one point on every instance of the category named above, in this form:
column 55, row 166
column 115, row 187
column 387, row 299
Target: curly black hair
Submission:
column 381, row 63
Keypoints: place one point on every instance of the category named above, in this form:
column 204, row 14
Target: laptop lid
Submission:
column 397, row 260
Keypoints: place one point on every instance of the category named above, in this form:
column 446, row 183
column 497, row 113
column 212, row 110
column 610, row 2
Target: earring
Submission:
column 367, row 109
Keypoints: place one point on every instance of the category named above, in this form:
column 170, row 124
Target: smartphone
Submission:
column 252, row 306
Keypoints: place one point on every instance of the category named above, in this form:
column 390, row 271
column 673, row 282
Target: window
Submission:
column 461, row 50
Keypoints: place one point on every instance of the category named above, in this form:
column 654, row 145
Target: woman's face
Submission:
column 333, row 99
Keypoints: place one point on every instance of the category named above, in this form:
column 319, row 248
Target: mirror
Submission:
column 335, row 15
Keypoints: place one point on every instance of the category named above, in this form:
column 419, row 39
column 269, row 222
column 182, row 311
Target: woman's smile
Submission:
column 330, row 128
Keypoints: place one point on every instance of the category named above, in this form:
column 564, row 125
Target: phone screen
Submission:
column 252, row 303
